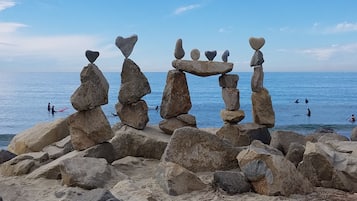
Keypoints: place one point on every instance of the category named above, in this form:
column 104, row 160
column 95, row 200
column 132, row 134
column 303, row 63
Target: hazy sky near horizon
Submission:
column 53, row 35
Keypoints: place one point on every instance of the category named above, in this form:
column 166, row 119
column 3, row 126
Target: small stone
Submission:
column 179, row 51
column 92, row 55
column 126, row 45
column 225, row 56
column 256, row 43
column 211, row 55
column 195, row 54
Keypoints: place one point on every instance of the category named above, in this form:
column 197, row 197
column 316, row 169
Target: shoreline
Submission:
column 304, row 129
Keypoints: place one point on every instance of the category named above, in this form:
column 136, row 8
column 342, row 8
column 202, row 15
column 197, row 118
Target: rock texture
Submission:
column 197, row 150
column 39, row 136
column 93, row 91
column 270, row 173
column 134, row 84
column 263, row 112
column 176, row 180
column 203, row 68
column 88, row 128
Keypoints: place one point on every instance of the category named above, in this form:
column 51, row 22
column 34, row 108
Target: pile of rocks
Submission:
column 89, row 126
column 131, row 109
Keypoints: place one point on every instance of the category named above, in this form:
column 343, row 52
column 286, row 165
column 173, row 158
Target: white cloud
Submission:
column 327, row 53
column 183, row 9
column 4, row 4
column 225, row 30
column 343, row 27
column 10, row 27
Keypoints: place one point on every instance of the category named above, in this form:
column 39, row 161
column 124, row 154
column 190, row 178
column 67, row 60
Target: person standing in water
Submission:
column 353, row 118
column 53, row 110
column 308, row 112
column 49, row 107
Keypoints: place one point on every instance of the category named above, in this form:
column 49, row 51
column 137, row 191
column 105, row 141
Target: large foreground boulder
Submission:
column 148, row 143
column 176, row 180
column 36, row 138
column 332, row 164
column 270, row 173
column 89, row 173
column 198, row 151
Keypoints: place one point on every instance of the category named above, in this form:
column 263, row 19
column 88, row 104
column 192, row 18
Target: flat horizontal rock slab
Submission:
column 203, row 68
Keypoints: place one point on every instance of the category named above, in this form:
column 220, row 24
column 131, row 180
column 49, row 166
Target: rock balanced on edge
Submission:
column 131, row 109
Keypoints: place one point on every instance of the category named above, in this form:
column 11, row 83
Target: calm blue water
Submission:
column 332, row 99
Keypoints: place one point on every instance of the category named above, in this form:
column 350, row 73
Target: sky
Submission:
column 300, row 35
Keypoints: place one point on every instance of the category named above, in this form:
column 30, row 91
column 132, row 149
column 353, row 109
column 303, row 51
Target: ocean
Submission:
column 332, row 98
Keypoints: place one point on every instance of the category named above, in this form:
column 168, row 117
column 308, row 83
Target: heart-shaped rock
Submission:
column 256, row 43
column 211, row 55
column 126, row 45
column 92, row 55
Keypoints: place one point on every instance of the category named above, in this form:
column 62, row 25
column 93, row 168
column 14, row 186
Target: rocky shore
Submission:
column 192, row 164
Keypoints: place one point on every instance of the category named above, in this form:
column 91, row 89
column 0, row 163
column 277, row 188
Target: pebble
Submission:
column 195, row 54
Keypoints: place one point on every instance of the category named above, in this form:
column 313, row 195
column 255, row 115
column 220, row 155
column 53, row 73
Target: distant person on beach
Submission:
column 297, row 101
column 49, row 107
column 308, row 112
column 53, row 109
column 353, row 118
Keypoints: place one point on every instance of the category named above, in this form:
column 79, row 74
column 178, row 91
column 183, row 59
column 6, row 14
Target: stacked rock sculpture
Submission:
column 131, row 109
column 263, row 112
column 230, row 94
column 231, row 115
column 176, row 101
column 89, row 125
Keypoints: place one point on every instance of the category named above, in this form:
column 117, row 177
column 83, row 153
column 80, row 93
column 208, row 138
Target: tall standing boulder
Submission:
column 176, row 98
column 263, row 112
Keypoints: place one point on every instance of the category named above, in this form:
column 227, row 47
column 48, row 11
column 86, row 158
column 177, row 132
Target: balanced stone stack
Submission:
column 89, row 125
column 131, row 109
column 230, row 94
column 176, row 101
column 263, row 112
